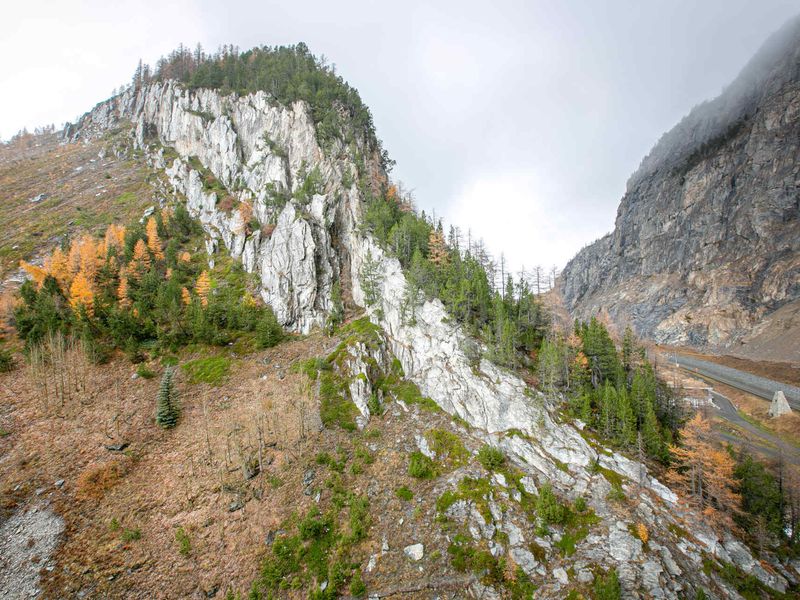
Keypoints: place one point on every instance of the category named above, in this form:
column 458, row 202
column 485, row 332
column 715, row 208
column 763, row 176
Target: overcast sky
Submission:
column 519, row 120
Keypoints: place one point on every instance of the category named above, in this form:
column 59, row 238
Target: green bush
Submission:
column 357, row 587
column 145, row 372
column 6, row 361
column 404, row 493
column 268, row 331
column 607, row 587
column 447, row 446
column 491, row 458
column 131, row 535
column 548, row 507
column 421, row 467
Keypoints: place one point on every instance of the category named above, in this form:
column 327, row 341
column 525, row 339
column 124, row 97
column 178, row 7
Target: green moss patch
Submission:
column 211, row 370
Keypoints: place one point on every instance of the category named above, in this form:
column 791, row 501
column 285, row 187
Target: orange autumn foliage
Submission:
column 642, row 533
column 140, row 263
column 437, row 249
column 122, row 292
column 704, row 473
column 185, row 296
column 81, row 293
column 37, row 274
column 153, row 241
column 57, row 266
column 88, row 256
column 203, row 287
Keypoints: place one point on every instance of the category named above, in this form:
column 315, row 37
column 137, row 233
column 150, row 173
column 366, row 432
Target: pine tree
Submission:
column 203, row 287
column 167, row 401
column 153, row 241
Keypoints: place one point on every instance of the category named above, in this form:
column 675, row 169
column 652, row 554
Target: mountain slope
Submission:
column 706, row 244
column 410, row 378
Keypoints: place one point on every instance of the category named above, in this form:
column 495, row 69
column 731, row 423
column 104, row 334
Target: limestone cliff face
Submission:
column 259, row 151
column 707, row 236
column 262, row 153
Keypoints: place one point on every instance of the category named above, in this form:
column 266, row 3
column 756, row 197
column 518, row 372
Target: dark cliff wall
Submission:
column 707, row 237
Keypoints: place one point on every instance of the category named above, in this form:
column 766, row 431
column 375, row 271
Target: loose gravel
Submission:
column 27, row 542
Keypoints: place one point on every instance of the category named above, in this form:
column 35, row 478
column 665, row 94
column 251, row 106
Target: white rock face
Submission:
column 261, row 152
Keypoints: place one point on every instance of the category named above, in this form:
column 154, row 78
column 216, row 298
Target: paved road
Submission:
column 767, row 443
column 772, row 445
column 747, row 382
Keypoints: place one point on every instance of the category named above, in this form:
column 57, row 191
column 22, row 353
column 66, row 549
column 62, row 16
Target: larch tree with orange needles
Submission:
column 203, row 287
column 58, row 267
column 245, row 216
column 88, row 256
column 185, row 257
column 437, row 249
column 37, row 274
column 704, row 473
column 115, row 237
column 81, row 293
column 74, row 257
column 153, row 241
column 140, row 263
column 123, row 293
column 186, row 296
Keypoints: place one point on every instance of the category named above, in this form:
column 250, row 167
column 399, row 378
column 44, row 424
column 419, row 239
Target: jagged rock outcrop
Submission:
column 260, row 153
column 707, row 237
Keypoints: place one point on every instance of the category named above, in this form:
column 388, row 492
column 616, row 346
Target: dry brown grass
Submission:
column 192, row 476
column 84, row 192
column 97, row 478
column 186, row 477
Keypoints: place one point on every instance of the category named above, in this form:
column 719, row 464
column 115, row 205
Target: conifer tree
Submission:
column 705, row 473
column 167, row 401
column 37, row 274
column 186, row 298
column 140, row 263
column 122, row 292
column 203, row 287
column 74, row 257
column 58, row 267
column 437, row 249
column 88, row 257
column 153, row 241
column 81, row 293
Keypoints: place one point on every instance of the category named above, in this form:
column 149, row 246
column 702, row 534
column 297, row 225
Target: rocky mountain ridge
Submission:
column 706, row 245
column 260, row 152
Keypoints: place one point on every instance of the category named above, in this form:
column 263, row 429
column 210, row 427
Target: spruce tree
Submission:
column 167, row 404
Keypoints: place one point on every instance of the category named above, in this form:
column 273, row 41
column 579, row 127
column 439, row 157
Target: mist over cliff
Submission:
column 705, row 245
